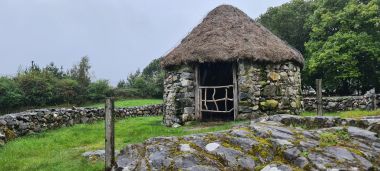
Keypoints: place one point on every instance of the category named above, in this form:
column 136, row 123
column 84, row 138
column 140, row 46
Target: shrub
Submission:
column 99, row 90
column 10, row 93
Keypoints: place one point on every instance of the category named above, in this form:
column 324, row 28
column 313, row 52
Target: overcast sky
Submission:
column 119, row 36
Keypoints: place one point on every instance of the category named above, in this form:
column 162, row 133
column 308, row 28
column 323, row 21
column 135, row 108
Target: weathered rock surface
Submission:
column 266, row 144
column 371, row 124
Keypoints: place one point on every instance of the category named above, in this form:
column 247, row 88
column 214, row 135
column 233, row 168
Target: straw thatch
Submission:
column 228, row 34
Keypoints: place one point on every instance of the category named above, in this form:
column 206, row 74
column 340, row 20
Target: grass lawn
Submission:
column 347, row 114
column 130, row 102
column 61, row 149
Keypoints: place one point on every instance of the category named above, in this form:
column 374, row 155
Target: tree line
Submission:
column 340, row 41
column 38, row 86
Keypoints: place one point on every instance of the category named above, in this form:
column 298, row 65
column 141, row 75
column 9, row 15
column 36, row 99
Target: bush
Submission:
column 37, row 88
column 10, row 94
column 68, row 90
column 99, row 90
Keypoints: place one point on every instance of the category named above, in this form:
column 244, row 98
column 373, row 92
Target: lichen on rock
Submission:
column 267, row 143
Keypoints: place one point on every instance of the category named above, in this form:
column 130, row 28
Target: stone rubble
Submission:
column 267, row 144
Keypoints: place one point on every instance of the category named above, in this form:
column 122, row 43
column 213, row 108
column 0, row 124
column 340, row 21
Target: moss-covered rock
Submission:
column 269, row 104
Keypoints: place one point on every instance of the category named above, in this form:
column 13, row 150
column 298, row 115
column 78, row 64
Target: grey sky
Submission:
column 119, row 36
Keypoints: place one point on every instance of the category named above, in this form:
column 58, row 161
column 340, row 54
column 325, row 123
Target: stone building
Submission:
column 230, row 67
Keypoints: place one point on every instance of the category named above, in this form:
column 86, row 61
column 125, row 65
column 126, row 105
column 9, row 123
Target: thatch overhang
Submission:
column 227, row 34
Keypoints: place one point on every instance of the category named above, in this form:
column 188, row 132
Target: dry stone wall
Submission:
column 269, row 89
column 28, row 122
column 343, row 103
column 179, row 105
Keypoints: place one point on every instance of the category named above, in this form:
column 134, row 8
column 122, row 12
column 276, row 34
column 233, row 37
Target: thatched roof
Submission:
column 228, row 34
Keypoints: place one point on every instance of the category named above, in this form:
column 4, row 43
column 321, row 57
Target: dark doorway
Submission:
column 216, row 91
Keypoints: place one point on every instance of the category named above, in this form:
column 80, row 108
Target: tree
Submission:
column 344, row 45
column 54, row 70
column 121, row 84
column 148, row 83
column 81, row 72
column 288, row 22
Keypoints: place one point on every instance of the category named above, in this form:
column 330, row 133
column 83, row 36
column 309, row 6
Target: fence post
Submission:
column 110, row 135
column 374, row 102
column 318, row 83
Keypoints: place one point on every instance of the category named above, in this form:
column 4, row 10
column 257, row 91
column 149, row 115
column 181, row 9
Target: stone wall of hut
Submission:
column 263, row 89
column 179, row 97
column 268, row 89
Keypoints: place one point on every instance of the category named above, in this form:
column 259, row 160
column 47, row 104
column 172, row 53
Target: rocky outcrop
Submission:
column 31, row 121
column 266, row 144
column 371, row 123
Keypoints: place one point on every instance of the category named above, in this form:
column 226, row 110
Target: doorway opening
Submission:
column 216, row 91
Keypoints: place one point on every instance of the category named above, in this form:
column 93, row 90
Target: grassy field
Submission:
column 347, row 114
column 61, row 149
column 130, row 102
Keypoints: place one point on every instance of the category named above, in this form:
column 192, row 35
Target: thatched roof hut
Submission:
column 228, row 34
column 230, row 67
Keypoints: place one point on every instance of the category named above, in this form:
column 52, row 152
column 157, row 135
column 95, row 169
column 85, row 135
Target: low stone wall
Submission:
column 31, row 121
column 333, row 104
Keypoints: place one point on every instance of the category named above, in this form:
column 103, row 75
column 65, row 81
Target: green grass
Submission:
column 347, row 114
column 130, row 103
column 61, row 149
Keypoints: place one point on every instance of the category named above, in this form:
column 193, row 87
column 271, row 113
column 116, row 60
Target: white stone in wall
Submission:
column 185, row 82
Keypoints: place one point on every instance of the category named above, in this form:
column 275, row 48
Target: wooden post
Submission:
column 110, row 135
column 235, row 91
column 374, row 102
column 196, row 94
column 318, row 83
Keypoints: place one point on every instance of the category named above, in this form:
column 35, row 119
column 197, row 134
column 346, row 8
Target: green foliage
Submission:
column 288, row 22
column 99, row 90
column 37, row 87
column 339, row 40
column 10, row 94
column 67, row 90
column 328, row 139
column 81, row 72
column 61, row 149
column 344, row 45
column 148, row 83
column 42, row 86
column 333, row 138
column 50, row 86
